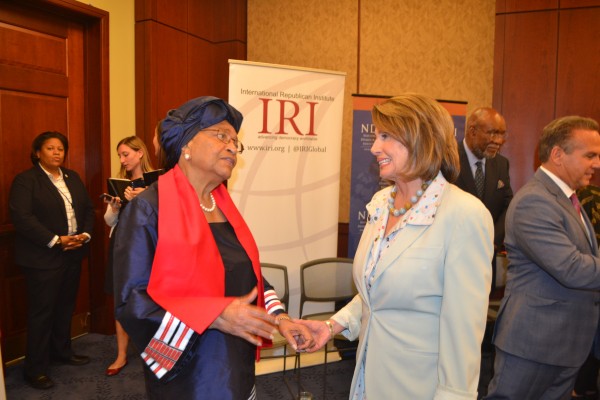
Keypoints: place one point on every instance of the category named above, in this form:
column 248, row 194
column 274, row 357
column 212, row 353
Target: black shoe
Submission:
column 587, row 396
column 74, row 360
column 39, row 381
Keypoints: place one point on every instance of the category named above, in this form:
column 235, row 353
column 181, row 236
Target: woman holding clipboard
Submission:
column 134, row 160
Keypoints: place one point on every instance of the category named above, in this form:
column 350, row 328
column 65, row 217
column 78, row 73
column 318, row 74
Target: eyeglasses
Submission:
column 225, row 138
column 494, row 133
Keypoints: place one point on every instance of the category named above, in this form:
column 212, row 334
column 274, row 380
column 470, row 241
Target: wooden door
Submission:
column 42, row 87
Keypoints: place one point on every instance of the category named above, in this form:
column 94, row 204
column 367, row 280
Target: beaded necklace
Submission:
column 413, row 200
column 213, row 204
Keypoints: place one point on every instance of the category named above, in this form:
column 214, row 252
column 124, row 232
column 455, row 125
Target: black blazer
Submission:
column 497, row 193
column 37, row 210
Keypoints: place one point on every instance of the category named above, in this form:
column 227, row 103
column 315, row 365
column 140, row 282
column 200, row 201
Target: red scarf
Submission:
column 188, row 276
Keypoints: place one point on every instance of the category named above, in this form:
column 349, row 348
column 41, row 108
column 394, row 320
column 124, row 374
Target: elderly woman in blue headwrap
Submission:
column 188, row 286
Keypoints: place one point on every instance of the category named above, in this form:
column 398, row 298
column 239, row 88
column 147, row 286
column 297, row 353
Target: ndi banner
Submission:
column 286, row 183
column 364, row 179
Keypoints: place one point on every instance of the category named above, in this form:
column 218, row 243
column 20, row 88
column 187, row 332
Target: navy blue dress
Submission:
column 214, row 365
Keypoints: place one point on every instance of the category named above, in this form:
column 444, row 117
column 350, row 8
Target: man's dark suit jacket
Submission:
column 37, row 211
column 497, row 193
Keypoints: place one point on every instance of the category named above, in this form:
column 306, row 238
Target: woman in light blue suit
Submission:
column 422, row 267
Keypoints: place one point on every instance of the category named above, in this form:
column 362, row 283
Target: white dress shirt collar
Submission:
column 473, row 159
column 559, row 182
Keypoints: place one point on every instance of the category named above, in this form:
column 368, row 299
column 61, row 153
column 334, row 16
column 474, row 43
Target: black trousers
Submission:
column 51, row 296
column 587, row 377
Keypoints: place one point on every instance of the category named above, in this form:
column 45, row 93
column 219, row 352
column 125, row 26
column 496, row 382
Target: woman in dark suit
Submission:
column 53, row 217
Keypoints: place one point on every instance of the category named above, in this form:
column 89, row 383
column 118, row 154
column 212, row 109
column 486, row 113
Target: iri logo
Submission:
column 289, row 122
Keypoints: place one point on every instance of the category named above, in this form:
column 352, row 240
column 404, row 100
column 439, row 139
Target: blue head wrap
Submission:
column 183, row 123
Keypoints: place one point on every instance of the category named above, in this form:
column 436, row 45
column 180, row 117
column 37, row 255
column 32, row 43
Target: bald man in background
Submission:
column 485, row 134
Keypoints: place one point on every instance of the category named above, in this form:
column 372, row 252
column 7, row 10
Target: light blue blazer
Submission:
column 424, row 317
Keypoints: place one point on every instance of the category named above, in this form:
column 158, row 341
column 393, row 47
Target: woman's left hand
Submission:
column 115, row 204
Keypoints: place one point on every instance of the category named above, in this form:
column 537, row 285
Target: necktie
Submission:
column 479, row 181
column 576, row 203
column 577, row 206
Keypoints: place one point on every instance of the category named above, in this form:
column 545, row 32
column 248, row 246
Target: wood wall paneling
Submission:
column 578, row 80
column 212, row 20
column 500, row 32
column 145, row 110
column 174, row 13
column 203, row 58
column 236, row 51
column 547, row 65
column 579, row 3
column 528, row 86
column 161, row 71
column 176, row 61
column 170, row 57
column 224, row 52
column 512, row 6
column 76, row 157
column 240, row 20
column 500, row 6
column 144, row 11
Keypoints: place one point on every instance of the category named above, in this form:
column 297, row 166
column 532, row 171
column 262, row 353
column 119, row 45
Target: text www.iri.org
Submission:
column 295, row 149
column 280, row 149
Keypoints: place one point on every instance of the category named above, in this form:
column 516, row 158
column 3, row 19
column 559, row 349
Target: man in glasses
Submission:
column 484, row 172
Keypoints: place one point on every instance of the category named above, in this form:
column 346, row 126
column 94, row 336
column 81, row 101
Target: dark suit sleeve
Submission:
column 22, row 213
column 136, row 237
column 507, row 195
column 135, row 244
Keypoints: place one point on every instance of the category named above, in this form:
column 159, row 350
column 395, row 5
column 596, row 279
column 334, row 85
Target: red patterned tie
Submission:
column 576, row 203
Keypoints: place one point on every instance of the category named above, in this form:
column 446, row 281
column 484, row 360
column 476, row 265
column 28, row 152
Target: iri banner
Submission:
column 286, row 183
column 364, row 180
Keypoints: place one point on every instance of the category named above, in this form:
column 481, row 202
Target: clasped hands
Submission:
column 320, row 332
column 72, row 242
column 242, row 318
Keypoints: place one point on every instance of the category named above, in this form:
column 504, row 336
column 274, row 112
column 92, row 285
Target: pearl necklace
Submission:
column 213, row 204
column 413, row 200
